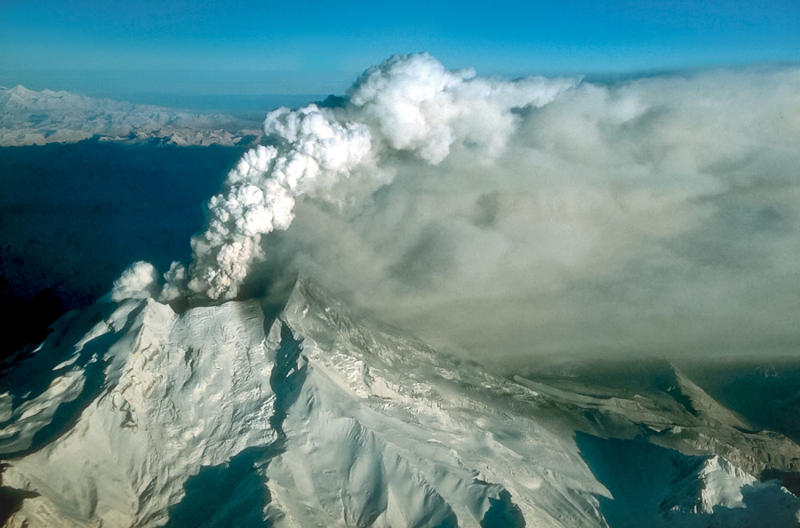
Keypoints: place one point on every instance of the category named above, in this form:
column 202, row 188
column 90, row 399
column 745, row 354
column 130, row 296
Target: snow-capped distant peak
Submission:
column 29, row 117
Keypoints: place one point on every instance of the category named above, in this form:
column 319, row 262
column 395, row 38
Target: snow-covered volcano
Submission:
column 309, row 414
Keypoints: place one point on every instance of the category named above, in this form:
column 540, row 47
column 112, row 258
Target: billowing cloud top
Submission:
column 539, row 215
column 409, row 105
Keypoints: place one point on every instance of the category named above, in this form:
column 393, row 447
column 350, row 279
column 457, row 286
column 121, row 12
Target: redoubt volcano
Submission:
column 307, row 413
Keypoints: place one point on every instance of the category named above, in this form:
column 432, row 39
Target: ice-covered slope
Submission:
column 133, row 415
column 29, row 117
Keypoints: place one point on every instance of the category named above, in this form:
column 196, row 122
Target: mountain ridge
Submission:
column 29, row 117
column 320, row 417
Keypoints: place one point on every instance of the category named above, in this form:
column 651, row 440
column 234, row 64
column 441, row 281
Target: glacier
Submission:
column 307, row 412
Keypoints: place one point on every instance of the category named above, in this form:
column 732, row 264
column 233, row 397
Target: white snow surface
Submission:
column 30, row 117
column 122, row 414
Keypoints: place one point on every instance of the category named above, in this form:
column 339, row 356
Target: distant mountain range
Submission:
column 29, row 117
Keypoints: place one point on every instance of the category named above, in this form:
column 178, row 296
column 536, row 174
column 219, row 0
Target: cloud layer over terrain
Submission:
column 539, row 216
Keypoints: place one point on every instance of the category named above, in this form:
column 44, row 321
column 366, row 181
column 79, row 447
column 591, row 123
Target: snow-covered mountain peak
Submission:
column 30, row 117
column 131, row 414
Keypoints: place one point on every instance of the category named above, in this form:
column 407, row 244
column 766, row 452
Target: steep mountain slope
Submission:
column 131, row 414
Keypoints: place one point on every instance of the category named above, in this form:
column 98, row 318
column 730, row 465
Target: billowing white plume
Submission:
column 139, row 281
column 414, row 104
column 656, row 213
column 408, row 103
column 260, row 192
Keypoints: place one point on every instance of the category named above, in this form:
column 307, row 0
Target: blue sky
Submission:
column 232, row 47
